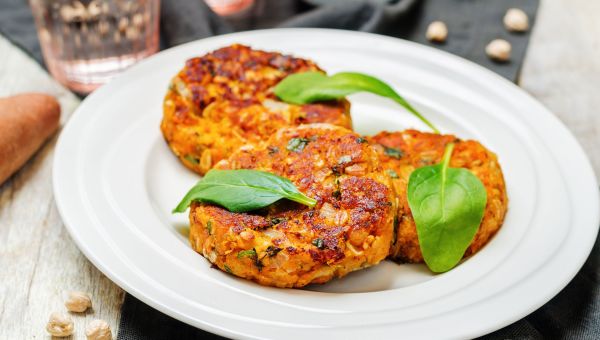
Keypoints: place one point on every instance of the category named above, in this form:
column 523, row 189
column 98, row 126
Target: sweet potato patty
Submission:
column 291, row 245
column 402, row 152
column 223, row 100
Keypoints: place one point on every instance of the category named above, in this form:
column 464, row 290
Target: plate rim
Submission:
column 222, row 331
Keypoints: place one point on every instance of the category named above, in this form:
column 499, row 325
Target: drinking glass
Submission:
column 85, row 43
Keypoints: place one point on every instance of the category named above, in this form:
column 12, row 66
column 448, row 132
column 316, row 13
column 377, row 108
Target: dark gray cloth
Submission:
column 471, row 23
column 141, row 322
column 356, row 15
column 572, row 314
column 184, row 21
column 16, row 23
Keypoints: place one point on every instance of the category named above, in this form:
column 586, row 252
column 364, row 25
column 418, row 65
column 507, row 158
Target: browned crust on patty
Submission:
column 420, row 149
column 223, row 100
column 350, row 227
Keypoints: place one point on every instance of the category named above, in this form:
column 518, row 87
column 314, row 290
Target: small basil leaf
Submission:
column 242, row 190
column 251, row 253
column 447, row 205
column 392, row 152
column 192, row 159
column 297, row 144
column 309, row 87
column 318, row 243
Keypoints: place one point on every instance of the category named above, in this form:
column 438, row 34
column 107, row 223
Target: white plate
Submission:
column 116, row 182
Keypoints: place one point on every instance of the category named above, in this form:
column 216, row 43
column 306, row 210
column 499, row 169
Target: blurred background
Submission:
column 84, row 43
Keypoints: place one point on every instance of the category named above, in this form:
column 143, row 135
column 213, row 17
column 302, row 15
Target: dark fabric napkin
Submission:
column 572, row 314
column 471, row 23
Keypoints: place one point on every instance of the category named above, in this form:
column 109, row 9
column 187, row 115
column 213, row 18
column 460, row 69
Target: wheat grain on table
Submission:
column 39, row 262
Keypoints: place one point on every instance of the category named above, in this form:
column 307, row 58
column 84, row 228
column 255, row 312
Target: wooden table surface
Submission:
column 39, row 262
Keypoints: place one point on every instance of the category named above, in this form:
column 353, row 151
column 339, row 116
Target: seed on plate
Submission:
column 78, row 302
column 515, row 20
column 498, row 50
column 98, row 330
column 437, row 32
column 59, row 325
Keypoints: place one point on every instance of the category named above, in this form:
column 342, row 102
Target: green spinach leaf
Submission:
column 309, row 87
column 447, row 205
column 242, row 190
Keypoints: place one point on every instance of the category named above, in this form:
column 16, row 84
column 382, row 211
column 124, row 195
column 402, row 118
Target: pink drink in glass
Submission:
column 229, row 7
column 87, row 42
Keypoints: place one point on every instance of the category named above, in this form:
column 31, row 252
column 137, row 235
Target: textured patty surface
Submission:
column 402, row 152
column 291, row 245
column 223, row 100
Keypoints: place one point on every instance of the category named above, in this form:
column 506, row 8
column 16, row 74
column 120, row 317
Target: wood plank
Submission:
column 39, row 262
column 562, row 68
